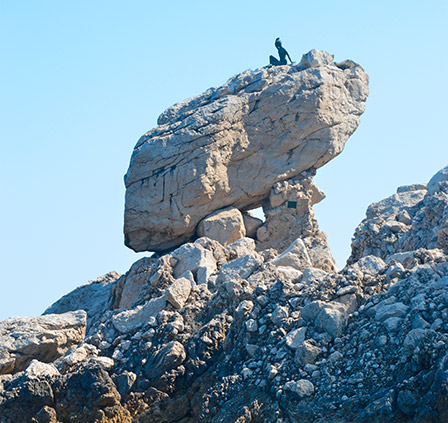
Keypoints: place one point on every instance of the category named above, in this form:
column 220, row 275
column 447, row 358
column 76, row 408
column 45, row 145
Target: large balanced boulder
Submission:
column 231, row 144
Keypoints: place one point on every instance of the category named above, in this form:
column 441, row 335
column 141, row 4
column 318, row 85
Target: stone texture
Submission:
column 295, row 256
column 240, row 268
column 225, row 226
column 440, row 176
column 195, row 259
column 295, row 338
column 134, row 281
column 94, row 297
column 38, row 369
column 43, row 338
column 177, row 294
column 289, row 213
column 231, row 144
column 251, row 223
column 303, row 388
column 130, row 320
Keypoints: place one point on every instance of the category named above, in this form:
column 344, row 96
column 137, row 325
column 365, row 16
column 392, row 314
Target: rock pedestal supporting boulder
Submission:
column 231, row 144
column 289, row 216
column 225, row 226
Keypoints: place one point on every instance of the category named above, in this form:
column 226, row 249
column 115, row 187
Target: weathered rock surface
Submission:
column 44, row 338
column 412, row 218
column 230, row 145
column 257, row 341
column 225, row 226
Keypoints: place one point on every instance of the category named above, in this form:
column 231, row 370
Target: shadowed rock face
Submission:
column 231, row 144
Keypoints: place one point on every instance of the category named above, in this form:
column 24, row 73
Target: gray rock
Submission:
column 279, row 315
column 327, row 317
column 240, row 248
column 94, row 298
column 296, row 256
column 38, row 369
column 177, row 294
column 315, row 58
column 312, row 275
column 385, row 311
column 295, row 338
column 241, row 268
column 440, row 176
column 196, row 259
column 370, row 265
column 228, row 146
column 251, row 223
column 307, row 353
column 303, row 388
column 125, row 381
column 135, row 280
column 43, row 338
column 225, row 226
column 168, row 357
column 130, row 320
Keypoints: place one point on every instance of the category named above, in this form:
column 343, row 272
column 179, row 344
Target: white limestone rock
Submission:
column 44, row 338
column 303, row 388
column 94, row 298
column 295, row 338
column 240, row 248
column 296, row 256
column 225, row 226
column 240, row 268
column 440, row 176
column 134, row 281
column 328, row 317
column 251, row 223
column 177, row 294
column 231, row 144
column 196, row 259
column 38, row 369
column 130, row 320
column 316, row 58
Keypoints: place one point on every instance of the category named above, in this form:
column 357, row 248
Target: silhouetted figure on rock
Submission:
column 282, row 54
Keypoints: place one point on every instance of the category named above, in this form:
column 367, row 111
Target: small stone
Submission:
column 303, row 388
column 279, row 314
column 251, row 325
column 295, row 338
column 177, row 294
column 307, row 353
column 386, row 311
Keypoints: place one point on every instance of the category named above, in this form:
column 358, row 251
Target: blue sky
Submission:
column 82, row 81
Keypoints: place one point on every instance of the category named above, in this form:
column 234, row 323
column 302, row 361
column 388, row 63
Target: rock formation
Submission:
column 255, row 328
column 231, row 144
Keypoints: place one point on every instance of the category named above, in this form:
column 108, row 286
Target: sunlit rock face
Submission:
column 231, row 144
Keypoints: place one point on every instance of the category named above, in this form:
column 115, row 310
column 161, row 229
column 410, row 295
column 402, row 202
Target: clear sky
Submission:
column 81, row 81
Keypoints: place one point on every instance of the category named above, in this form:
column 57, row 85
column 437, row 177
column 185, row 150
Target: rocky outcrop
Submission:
column 210, row 333
column 232, row 144
column 44, row 338
column 255, row 325
column 415, row 217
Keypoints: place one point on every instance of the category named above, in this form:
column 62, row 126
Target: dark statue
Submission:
column 282, row 54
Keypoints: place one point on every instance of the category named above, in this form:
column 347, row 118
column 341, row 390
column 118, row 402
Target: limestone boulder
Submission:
column 225, row 226
column 42, row 338
column 231, row 144
column 296, row 256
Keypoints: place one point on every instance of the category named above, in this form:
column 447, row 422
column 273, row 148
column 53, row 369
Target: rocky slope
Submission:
column 252, row 322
